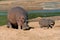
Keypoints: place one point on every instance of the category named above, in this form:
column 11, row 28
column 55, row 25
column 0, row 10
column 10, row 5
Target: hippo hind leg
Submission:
column 15, row 26
column 49, row 26
column 9, row 25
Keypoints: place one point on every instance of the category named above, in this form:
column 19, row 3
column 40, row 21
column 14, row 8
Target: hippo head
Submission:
column 52, row 23
column 23, row 24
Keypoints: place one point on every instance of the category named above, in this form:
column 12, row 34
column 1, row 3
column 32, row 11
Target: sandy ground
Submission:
column 33, row 34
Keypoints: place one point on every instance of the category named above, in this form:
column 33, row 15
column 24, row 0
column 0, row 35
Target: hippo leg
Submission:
column 9, row 25
column 49, row 26
column 19, row 26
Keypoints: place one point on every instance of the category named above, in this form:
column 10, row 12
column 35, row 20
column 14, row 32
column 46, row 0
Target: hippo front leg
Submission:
column 19, row 25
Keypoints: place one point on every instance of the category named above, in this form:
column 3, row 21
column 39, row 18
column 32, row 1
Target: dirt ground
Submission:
column 33, row 34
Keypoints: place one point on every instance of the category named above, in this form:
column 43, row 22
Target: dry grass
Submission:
column 33, row 34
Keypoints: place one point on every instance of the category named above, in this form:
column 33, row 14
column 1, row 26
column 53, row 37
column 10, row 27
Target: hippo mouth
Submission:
column 26, row 27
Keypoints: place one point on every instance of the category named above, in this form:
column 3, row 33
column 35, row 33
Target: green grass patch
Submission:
column 34, row 15
column 3, row 18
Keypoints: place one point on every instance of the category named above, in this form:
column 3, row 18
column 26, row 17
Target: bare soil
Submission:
column 33, row 34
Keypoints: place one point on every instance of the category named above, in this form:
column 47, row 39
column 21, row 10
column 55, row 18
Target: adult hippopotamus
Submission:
column 17, row 18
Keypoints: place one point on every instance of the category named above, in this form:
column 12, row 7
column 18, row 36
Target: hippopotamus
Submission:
column 46, row 23
column 17, row 18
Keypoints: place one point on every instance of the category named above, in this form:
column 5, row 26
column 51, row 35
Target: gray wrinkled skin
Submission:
column 17, row 17
column 46, row 23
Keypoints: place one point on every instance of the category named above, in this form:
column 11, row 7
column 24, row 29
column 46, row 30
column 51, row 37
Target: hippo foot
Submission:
column 7, row 26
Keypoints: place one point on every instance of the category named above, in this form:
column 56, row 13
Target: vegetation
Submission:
column 34, row 15
column 1, row 0
column 3, row 18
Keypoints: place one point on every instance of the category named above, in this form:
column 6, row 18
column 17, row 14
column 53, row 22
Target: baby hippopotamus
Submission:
column 17, row 18
column 46, row 23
